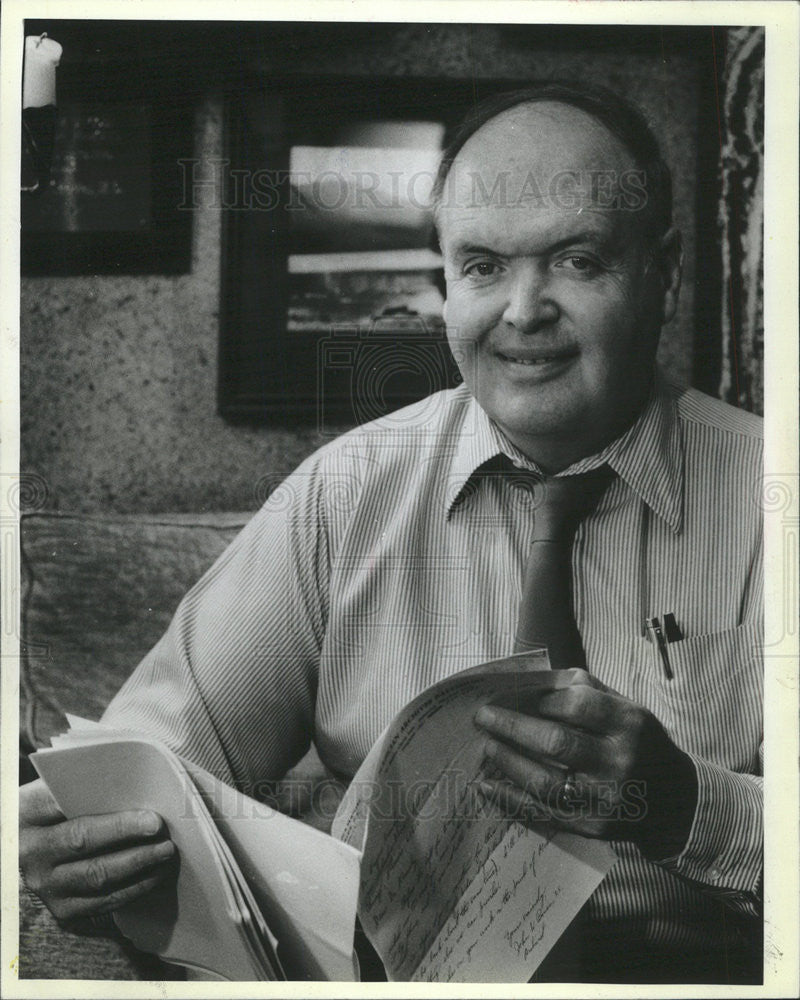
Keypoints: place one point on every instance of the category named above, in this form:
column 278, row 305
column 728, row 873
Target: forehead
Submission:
column 541, row 163
column 522, row 232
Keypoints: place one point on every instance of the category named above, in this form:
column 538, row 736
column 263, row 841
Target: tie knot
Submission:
column 564, row 501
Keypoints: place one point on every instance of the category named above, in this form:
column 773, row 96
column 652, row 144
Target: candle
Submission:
column 39, row 74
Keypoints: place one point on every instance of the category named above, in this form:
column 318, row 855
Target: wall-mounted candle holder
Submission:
column 42, row 56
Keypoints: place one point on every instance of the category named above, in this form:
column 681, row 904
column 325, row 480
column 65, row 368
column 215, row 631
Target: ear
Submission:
column 670, row 266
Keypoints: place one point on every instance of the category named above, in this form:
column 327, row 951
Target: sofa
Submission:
column 97, row 593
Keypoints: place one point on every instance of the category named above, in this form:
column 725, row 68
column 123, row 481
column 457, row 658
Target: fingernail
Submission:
column 150, row 823
column 486, row 716
column 491, row 749
column 165, row 849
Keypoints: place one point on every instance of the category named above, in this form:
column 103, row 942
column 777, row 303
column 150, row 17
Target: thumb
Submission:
column 584, row 677
column 37, row 805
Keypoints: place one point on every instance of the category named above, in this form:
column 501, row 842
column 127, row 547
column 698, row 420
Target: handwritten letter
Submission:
column 452, row 891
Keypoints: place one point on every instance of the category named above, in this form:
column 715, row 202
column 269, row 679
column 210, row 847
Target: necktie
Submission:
column 546, row 614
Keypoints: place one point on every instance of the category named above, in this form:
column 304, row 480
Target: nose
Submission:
column 530, row 305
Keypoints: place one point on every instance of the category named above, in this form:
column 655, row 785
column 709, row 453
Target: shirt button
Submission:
column 715, row 875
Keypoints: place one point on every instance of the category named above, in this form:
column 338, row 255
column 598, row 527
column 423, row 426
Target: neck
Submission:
column 553, row 453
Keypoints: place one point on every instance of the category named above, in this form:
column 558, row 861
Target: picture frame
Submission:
column 114, row 202
column 344, row 369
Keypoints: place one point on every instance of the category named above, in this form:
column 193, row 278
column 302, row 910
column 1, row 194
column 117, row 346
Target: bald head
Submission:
column 542, row 156
column 562, row 145
column 549, row 131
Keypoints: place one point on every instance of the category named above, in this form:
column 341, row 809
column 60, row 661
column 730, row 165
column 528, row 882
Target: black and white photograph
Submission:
column 400, row 514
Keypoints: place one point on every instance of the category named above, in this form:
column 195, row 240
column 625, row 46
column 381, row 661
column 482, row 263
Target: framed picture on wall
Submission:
column 332, row 282
column 114, row 200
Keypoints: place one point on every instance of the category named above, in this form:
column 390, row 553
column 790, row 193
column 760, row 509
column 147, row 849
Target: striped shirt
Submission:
column 390, row 560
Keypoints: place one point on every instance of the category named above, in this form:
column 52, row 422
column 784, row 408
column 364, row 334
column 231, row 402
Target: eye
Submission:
column 581, row 263
column 482, row 269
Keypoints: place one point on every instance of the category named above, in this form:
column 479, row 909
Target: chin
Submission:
column 530, row 425
column 533, row 414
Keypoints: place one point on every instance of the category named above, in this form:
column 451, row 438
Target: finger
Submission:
column 590, row 680
column 541, row 792
column 585, row 707
column 89, row 835
column 530, row 776
column 542, row 739
column 613, row 721
column 76, row 907
column 582, row 678
column 37, row 806
column 514, row 802
column 106, row 873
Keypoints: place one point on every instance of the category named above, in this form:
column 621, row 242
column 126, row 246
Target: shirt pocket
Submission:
column 713, row 705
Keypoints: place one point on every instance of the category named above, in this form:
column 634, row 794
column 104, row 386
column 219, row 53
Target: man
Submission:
column 394, row 557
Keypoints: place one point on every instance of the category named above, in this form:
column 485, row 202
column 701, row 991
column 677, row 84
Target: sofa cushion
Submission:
column 48, row 951
column 98, row 592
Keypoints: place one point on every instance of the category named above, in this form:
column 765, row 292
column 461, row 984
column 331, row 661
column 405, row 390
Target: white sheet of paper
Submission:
column 528, row 891
column 451, row 891
column 244, row 910
column 305, row 881
column 198, row 923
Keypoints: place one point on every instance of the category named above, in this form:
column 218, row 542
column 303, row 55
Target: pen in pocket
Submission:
column 657, row 635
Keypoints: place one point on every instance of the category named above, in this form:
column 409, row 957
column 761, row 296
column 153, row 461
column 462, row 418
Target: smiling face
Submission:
column 555, row 298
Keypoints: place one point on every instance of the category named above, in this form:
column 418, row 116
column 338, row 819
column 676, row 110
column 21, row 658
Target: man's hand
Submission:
column 92, row 865
column 632, row 782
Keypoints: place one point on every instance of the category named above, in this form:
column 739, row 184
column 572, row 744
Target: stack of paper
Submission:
column 259, row 896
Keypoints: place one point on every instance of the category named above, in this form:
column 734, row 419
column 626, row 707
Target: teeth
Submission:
column 525, row 361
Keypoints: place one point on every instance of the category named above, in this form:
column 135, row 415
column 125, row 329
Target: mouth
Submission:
column 528, row 359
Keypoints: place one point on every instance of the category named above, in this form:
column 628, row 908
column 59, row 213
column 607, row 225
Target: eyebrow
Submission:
column 585, row 236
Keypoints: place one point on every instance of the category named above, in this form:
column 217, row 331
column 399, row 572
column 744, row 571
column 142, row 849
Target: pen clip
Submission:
column 672, row 632
column 657, row 636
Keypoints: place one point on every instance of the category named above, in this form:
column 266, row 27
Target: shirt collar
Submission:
column 648, row 456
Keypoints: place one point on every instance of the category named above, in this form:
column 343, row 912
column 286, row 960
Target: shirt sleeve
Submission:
column 724, row 854
column 232, row 683
column 724, row 851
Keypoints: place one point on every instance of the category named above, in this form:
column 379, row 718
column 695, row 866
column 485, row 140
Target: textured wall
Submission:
column 119, row 386
column 119, row 373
